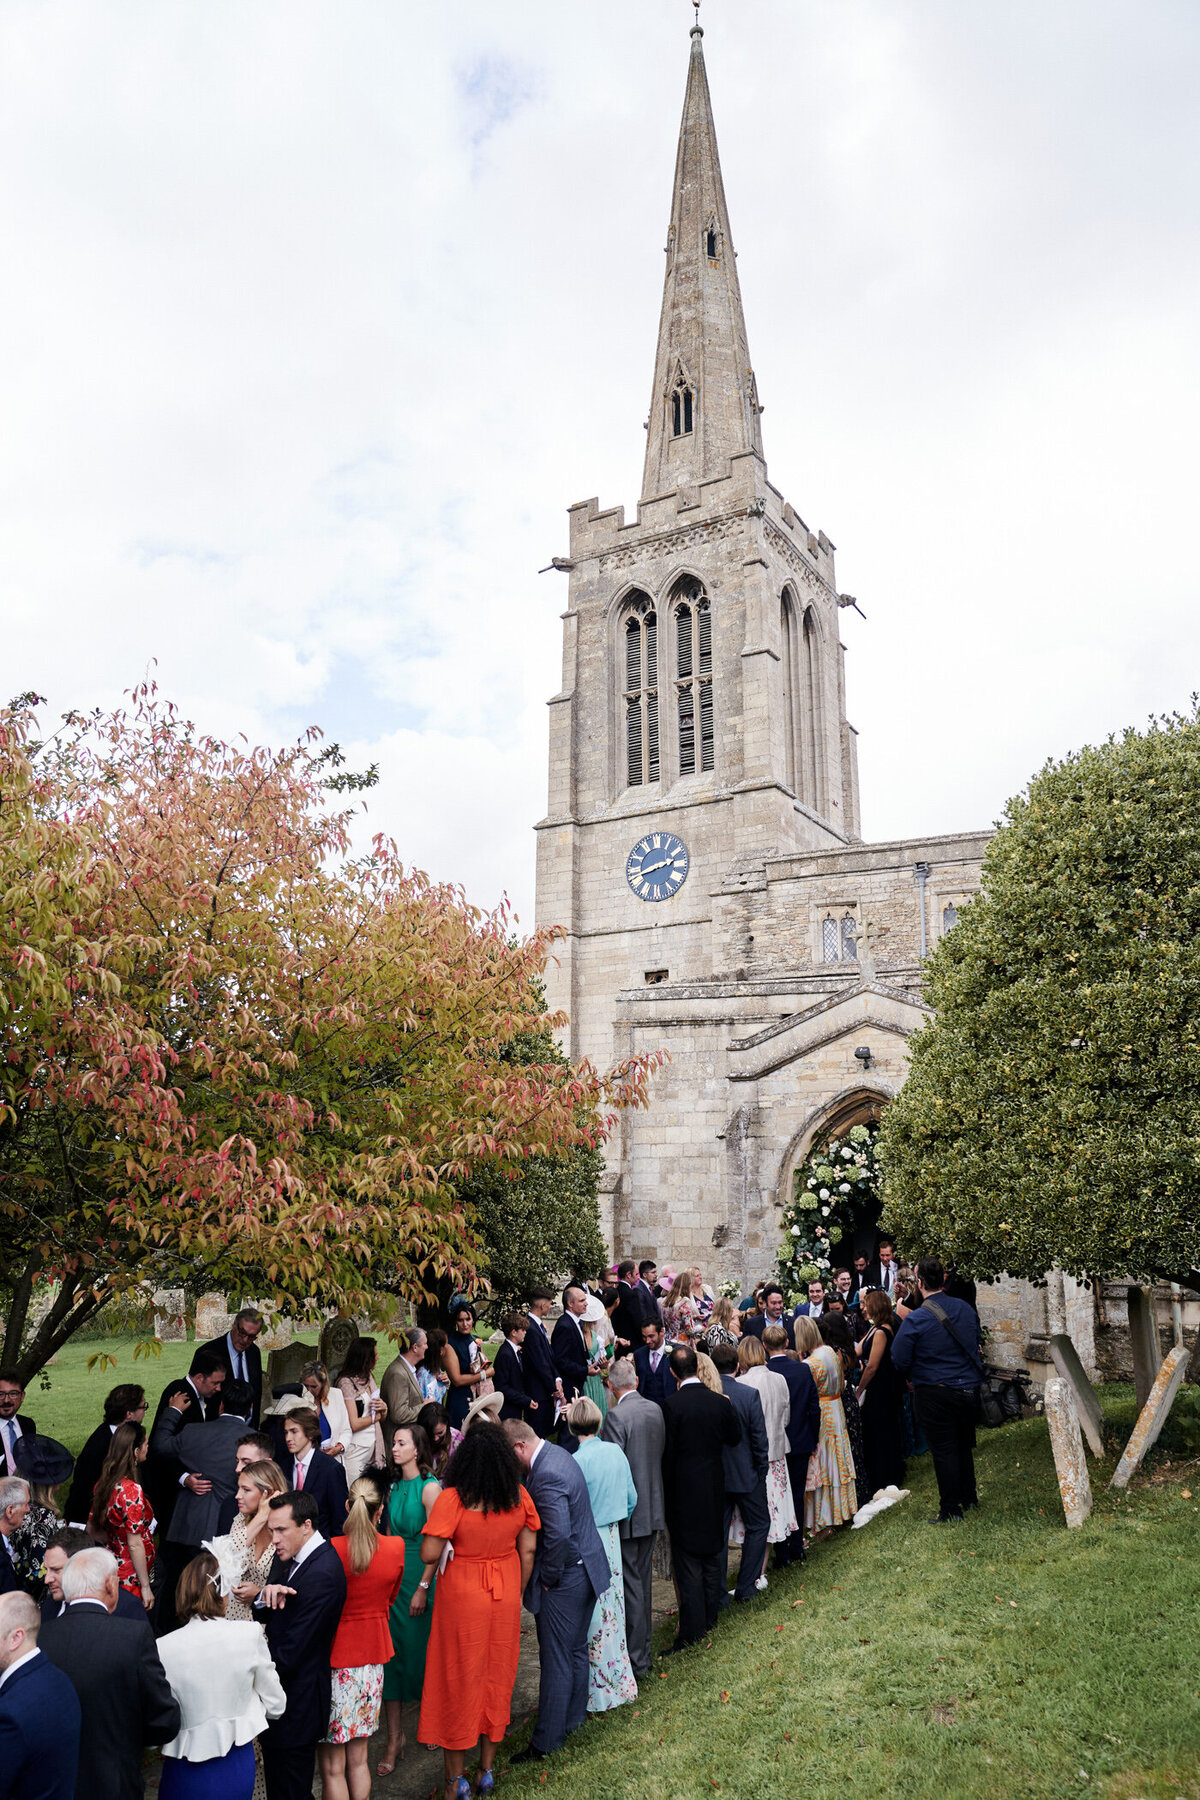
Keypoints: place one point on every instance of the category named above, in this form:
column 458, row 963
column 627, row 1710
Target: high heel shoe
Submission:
column 485, row 1782
column 388, row 1763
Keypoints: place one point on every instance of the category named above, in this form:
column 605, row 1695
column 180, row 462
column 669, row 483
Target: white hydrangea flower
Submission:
column 795, row 1231
column 824, row 1193
column 844, row 1187
column 847, row 1152
column 824, row 1212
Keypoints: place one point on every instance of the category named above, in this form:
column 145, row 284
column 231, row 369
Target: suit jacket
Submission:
column 124, row 1698
column 570, row 1355
column 39, row 1733
column 874, row 1278
column 163, row 1468
column 28, row 1429
column 325, row 1480
column 700, row 1425
column 757, row 1323
column 254, row 1371
column 128, row 1607
column 509, row 1378
column 805, row 1310
column 654, row 1385
column 804, row 1422
column 401, row 1392
column 745, row 1463
column 10, row 1582
column 637, row 1427
column 568, row 1535
column 300, row 1635
column 209, row 1450
column 635, row 1308
column 540, row 1376
column 652, row 1303
column 88, row 1465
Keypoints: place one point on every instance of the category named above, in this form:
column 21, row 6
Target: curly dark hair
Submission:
column 836, row 1332
column 484, row 1472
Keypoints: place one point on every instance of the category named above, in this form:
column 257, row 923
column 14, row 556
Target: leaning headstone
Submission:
column 1087, row 1405
column 1143, row 1341
column 212, row 1317
column 1153, row 1415
column 276, row 1336
column 284, row 1365
column 337, row 1335
column 1066, row 1441
column 170, row 1325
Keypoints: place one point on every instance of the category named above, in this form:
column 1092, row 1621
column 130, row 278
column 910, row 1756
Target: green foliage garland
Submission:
column 834, row 1177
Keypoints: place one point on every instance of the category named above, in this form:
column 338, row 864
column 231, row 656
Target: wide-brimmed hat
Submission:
column 593, row 1312
column 43, row 1460
column 487, row 1405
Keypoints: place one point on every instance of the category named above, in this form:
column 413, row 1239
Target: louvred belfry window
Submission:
column 693, row 679
column 641, row 693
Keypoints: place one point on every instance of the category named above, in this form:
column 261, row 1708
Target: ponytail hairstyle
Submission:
column 362, row 1533
column 119, row 1465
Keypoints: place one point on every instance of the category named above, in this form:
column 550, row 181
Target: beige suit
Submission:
column 401, row 1390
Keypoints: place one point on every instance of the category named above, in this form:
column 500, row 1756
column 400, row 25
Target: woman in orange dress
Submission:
column 488, row 1520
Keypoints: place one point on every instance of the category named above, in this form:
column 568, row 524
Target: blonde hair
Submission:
column 775, row 1337
column 723, row 1312
column 267, row 1477
column 362, row 1534
column 807, row 1334
column 681, row 1288
column 584, row 1417
column 706, row 1369
column 321, row 1373
column 751, row 1354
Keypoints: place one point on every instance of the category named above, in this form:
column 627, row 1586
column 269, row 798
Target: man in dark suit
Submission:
column 301, row 1605
column 14, row 1506
column 508, row 1375
column 637, row 1427
column 39, row 1711
column 648, row 1282
column 58, row 1552
column 804, row 1428
column 208, row 1450
column 635, row 1308
column 125, row 1404
column 746, row 1465
column 884, row 1271
column 310, row 1471
column 200, row 1387
column 570, row 1572
column 569, row 1352
column 13, row 1422
column 241, row 1356
column 113, row 1666
column 700, row 1426
column 652, row 1365
column 773, row 1313
column 814, row 1306
column 537, row 1364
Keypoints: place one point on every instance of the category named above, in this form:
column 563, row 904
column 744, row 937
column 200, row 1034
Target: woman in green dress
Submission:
column 598, row 1335
column 409, row 1504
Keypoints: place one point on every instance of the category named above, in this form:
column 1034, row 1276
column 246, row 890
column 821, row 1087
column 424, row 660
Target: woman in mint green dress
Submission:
column 409, row 1504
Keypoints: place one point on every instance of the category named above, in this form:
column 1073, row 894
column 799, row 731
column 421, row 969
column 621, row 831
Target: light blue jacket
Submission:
column 605, row 1468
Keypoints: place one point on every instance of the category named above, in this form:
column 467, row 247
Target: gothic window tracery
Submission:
column 693, row 678
column 640, row 691
column 800, row 653
column 682, row 404
column 949, row 916
column 849, row 941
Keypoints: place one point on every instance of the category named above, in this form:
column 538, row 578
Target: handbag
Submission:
column 987, row 1407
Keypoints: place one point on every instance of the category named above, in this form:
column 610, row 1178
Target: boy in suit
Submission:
column 650, row 1362
column 508, row 1375
column 537, row 1364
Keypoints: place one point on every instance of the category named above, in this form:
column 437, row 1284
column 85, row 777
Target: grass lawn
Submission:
column 1005, row 1656
column 71, row 1407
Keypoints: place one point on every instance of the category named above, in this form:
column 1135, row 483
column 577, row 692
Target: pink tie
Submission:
column 299, row 1477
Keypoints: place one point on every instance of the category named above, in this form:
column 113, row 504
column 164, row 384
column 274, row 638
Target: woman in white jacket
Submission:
column 330, row 1408
column 772, row 1390
column 221, row 1673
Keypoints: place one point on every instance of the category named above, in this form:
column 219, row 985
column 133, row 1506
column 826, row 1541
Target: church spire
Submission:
column 704, row 408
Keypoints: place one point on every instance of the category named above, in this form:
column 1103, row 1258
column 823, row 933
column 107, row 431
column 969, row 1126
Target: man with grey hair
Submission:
column 14, row 1504
column 39, row 1714
column 636, row 1425
column 400, row 1389
column 239, row 1352
column 113, row 1666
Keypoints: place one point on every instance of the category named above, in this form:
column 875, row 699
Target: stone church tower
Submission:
column 702, row 843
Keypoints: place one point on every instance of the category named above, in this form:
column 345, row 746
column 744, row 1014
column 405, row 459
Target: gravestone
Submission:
column 285, row 1364
column 1066, row 1441
column 337, row 1335
column 1143, row 1341
column 276, row 1336
column 212, row 1317
column 170, row 1325
column 1070, row 1369
column 1153, row 1415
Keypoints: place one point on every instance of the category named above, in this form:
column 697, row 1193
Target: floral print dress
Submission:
column 129, row 1513
column 829, row 1493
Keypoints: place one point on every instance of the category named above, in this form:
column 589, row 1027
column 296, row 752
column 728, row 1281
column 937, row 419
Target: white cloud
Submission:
column 316, row 319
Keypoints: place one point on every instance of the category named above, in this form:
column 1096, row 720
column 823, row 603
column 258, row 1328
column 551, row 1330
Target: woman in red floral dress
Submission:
column 122, row 1515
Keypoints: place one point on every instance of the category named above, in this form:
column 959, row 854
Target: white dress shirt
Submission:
column 14, row 1666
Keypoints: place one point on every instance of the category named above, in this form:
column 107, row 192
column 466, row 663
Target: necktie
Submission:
column 240, row 1370
column 299, row 1477
column 10, row 1444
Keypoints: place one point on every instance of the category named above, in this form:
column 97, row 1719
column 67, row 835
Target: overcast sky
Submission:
column 315, row 319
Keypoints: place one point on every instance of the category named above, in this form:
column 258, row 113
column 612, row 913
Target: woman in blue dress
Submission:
column 463, row 1362
column 606, row 1470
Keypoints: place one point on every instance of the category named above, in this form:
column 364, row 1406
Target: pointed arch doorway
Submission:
column 861, row 1105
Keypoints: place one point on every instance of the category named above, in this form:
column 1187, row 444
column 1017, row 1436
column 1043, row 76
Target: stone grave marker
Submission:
column 1143, row 1341
column 284, row 1365
column 1066, row 1441
column 337, row 1335
column 1070, row 1369
column 170, row 1325
column 1153, row 1415
column 277, row 1336
column 213, row 1317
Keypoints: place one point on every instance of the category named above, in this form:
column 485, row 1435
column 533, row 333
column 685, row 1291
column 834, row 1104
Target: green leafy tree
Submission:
column 1052, row 1110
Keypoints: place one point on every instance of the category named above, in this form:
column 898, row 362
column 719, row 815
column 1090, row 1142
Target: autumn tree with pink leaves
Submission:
column 234, row 1053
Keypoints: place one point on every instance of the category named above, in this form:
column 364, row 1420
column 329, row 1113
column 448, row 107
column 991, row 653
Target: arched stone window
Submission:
column 800, row 655
column 693, row 677
column 639, row 642
column 949, row 917
column 681, row 403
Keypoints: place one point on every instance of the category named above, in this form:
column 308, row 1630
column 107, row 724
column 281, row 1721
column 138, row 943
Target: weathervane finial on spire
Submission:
column 697, row 28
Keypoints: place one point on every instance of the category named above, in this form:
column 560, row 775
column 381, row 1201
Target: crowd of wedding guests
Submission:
column 255, row 1587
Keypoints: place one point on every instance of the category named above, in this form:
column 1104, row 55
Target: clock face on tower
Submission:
column 657, row 865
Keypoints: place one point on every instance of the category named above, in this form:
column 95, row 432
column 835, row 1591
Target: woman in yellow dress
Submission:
column 830, row 1497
